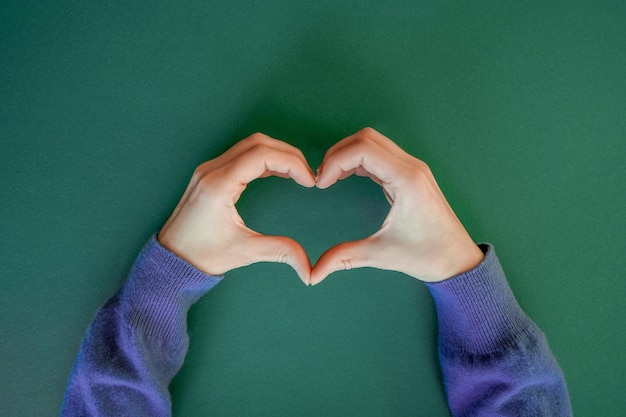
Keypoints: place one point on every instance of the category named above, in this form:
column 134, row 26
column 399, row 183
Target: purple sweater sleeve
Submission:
column 137, row 342
column 495, row 360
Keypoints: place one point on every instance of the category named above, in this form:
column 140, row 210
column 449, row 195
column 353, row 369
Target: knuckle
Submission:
column 366, row 137
column 421, row 173
column 423, row 168
column 258, row 138
column 198, row 175
column 346, row 264
column 367, row 130
column 204, row 183
column 259, row 151
column 300, row 154
column 282, row 257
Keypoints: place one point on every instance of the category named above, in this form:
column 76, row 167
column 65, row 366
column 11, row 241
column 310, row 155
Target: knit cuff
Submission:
column 476, row 310
column 160, row 289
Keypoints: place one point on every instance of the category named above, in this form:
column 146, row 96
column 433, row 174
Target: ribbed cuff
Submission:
column 476, row 310
column 160, row 289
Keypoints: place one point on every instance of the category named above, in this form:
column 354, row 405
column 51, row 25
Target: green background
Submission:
column 106, row 108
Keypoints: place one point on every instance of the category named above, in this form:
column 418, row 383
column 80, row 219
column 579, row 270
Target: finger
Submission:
column 273, row 174
column 368, row 135
column 344, row 256
column 363, row 156
column 252, row 141
column 281, row 249
column 261, row 160
column 365, row 133
column 360, row 172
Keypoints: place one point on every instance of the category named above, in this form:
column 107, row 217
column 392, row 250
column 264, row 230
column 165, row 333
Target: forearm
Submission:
column 494, row 359
column 137, row 342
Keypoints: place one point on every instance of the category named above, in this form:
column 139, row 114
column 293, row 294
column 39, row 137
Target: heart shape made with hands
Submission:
column 317, row 220
column 420, row 236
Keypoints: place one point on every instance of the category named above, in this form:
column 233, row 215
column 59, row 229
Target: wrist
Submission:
column 477, row 311
column 168, row 242
column 459, row 260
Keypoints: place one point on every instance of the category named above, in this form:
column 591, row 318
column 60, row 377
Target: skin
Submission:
column 421, row 236
column 205, row 228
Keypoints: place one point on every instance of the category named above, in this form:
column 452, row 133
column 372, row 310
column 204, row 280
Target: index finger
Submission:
column 261, row 160
column 360, row 156
column 255, row 140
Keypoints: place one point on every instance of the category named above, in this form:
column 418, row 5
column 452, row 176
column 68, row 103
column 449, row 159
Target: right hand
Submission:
column 421, row 235
column 205, row 228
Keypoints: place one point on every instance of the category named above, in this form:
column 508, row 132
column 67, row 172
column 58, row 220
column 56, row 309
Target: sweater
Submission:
column 494, row 359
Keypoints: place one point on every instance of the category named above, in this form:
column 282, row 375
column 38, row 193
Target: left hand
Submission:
column 205, row 228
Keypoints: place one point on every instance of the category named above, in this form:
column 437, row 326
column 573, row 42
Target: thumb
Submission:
column 281, row 249
column 344, row 256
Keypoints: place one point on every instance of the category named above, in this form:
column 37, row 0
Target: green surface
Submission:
column 107, row 107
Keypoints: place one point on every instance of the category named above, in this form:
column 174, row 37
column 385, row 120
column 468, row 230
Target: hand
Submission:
column 421, row 235
column 205, row 228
